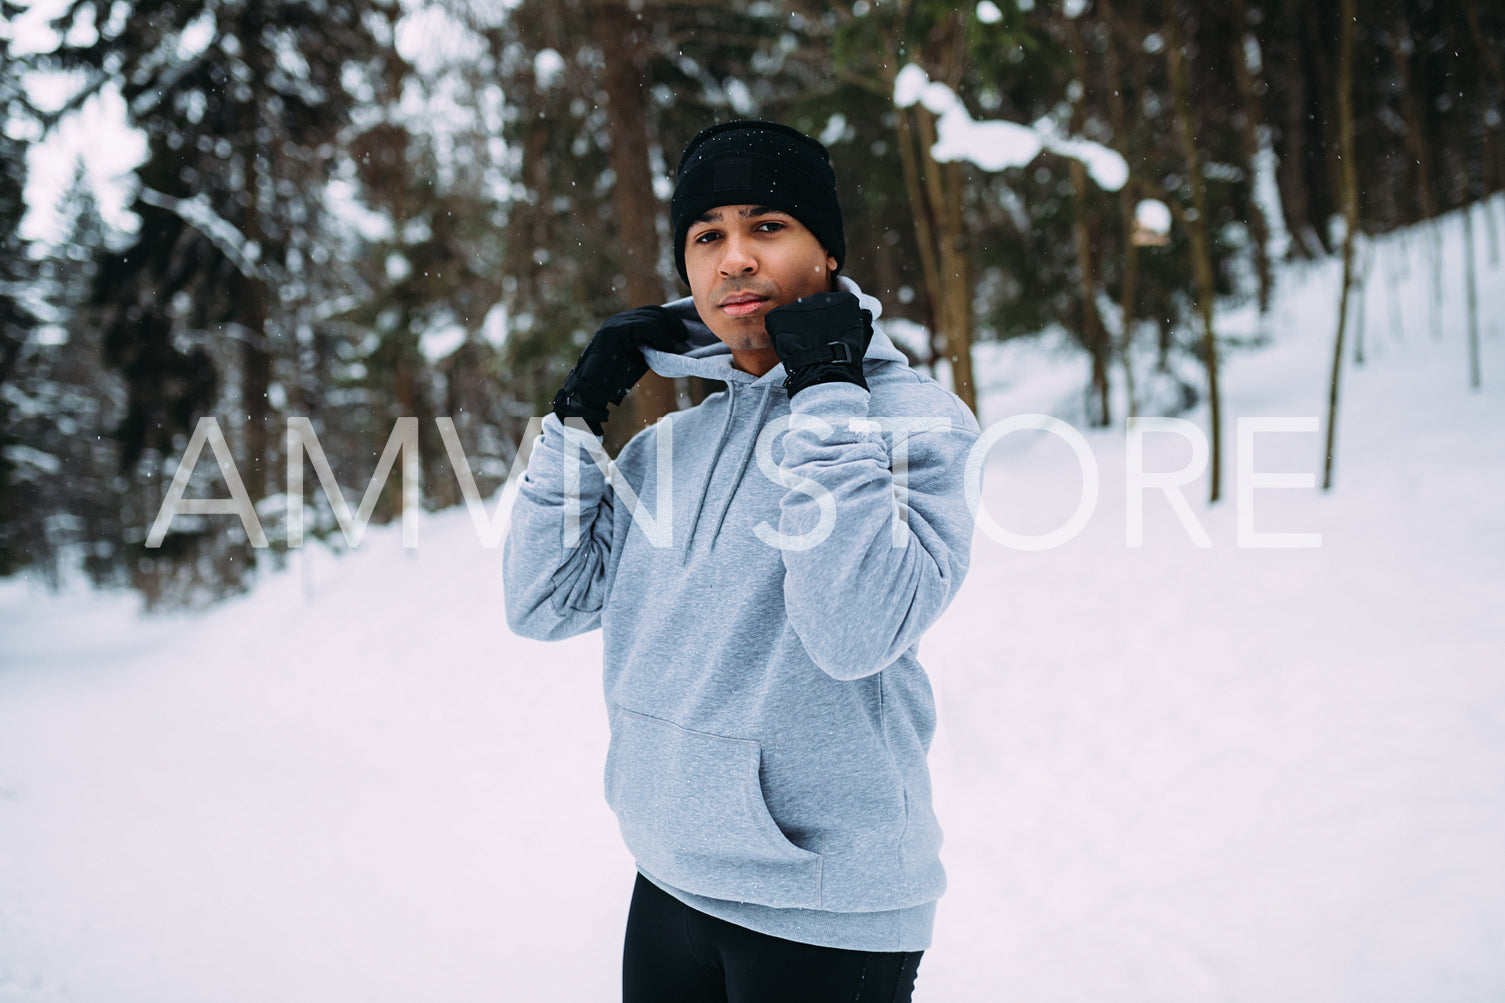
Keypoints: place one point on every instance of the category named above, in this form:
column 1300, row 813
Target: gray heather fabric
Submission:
column 769, row 717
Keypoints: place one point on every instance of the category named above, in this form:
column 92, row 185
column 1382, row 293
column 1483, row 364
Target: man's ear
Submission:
column 831, row 268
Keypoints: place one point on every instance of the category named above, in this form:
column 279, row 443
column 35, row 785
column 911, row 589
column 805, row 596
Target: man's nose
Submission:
column 737, row 257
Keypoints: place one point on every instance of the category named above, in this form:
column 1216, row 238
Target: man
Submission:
column 769, row 718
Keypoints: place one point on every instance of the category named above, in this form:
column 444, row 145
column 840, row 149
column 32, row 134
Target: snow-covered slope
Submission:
column 1166, row 773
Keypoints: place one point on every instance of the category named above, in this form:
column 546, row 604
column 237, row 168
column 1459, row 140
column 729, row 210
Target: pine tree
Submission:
column 75, row 502
column 243, row 105
column 17, row 318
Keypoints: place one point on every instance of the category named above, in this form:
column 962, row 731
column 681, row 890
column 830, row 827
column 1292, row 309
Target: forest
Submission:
column 360, row 212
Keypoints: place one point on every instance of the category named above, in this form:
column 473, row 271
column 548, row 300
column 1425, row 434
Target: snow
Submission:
column 1253, row 58
column 20, row 455
column 398, row 267
column 497, row 325
column 30, row 31
column 740, row 96
column 196, row 36
column 996, row 145
column 908, row 336
column 344, row 200
column 199, row 214
column 988, row 13
column 991, row 145
column 1267, row 196
column 433, row 39
column 440, row 342
column 908, row 83
column 548, row 68
column 96, row 136
column 1106, row 167
column 1165, row 773
column 836, row 128
column 1153, row 215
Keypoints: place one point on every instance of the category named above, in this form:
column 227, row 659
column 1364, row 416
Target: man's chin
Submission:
column 745, row 339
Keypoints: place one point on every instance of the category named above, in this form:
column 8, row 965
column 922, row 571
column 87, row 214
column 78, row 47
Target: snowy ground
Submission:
column 1165, row 773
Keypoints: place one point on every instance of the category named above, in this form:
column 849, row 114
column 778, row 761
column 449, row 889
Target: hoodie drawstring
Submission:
column 710, row 471
column 729, row 493
column 752, row 445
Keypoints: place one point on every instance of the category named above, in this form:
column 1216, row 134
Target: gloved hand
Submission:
column 613, row 362
column 821, row 339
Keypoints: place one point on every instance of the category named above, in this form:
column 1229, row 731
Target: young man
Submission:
column 769, row 717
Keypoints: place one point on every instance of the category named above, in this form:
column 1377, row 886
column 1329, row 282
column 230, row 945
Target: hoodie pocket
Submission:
column 693, row 815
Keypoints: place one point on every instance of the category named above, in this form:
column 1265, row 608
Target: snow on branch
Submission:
column 197, row 213
column 997, row 145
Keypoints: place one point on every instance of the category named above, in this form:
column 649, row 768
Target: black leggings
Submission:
column 675, row 954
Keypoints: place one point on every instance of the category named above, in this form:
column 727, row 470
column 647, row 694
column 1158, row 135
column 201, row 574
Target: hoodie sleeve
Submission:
column 865, row 593
column 553, row 569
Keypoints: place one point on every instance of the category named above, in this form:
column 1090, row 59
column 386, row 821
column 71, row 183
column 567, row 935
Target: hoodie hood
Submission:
column 709, row 357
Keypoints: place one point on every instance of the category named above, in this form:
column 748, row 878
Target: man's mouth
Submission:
column 742, row 304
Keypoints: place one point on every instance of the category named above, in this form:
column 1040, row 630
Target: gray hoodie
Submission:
column 761, row 615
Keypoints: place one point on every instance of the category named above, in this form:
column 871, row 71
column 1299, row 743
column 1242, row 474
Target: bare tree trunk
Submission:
column 943, row 185
column 959, row 309
column 1350, row 194
column 256, row 357
column 951, row 298
column 1293, row 189
column 1489, row 54
column 935, row 203
column 1392, row 287
column 955, row 265
column 619, row 35
column 1094, row 334
column 1492, row 233
column 1474, row 379
column 1365, row 256
column 256, row 381
column 919, row 208
column 1128, row 298
column 1326, row 198
column 1404, row 45
column 1249, row 116
column 1197, row 232
column 1434, row 247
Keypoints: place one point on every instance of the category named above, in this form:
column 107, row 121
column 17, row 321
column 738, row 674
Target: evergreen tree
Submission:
column 17, row 318
column 74, row 495
column 244, row 106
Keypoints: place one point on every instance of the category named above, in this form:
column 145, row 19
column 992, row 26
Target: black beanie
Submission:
column 757, row 163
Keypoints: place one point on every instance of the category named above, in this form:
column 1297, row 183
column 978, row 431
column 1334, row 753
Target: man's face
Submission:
column 744, row 260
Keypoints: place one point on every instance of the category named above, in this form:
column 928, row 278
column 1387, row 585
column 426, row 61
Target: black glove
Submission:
column 821, row 339
column 612, row 362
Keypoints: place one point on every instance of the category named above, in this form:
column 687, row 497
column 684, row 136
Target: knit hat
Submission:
column 757, row 163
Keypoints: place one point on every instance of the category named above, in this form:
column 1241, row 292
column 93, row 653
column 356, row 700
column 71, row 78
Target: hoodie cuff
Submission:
column 833, row 402
column 570, row 432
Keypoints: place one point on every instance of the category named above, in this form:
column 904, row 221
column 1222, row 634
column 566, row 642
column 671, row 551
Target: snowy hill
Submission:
column 1166, row 773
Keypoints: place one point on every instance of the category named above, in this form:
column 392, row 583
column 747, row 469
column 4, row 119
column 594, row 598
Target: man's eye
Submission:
column 706, row 237
column 772, row 226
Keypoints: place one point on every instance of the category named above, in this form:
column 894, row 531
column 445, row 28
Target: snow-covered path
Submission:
column 1165, row 773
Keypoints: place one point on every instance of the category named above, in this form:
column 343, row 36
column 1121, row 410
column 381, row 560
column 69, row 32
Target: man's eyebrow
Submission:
column 751, row 212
